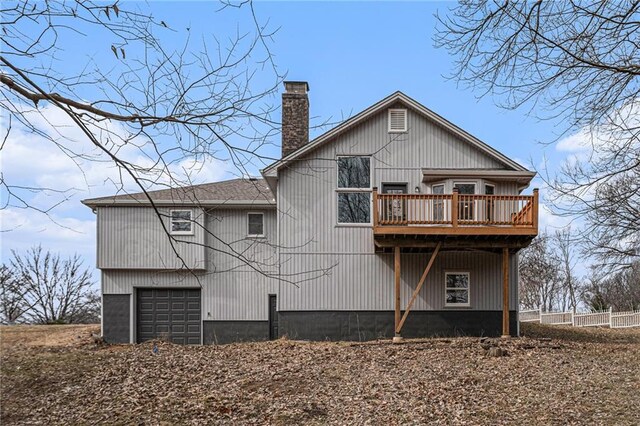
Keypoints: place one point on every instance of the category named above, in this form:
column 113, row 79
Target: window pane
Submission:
column 457, row 281
column 181, row 215
column 354, row 172
column 489, row 189
column 255, row 224
column 465, row 188
column 438, row 189
column 458, row 296
column 354, row 207
column 180, row 226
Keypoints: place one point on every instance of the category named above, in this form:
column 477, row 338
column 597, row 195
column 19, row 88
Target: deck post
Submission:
column 375, row 206
column 396, row 268
column 505, row 293
column 536, row 199
column 454, row 208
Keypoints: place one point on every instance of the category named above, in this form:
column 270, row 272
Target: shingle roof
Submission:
column 250, row 192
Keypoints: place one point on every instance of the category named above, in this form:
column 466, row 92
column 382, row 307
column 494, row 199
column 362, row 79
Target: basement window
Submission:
column 456, row 289
column 255, row 224
column 397, row 120
column 181, row 222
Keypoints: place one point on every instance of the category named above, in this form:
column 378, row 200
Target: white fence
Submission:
column 583, row 319
column 592, row 319
column 625, row 319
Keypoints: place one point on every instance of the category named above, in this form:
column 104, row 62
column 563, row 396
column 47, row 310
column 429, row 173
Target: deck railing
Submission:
column 455, row 210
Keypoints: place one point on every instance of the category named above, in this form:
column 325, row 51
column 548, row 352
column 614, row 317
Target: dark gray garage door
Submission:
column 172, row 314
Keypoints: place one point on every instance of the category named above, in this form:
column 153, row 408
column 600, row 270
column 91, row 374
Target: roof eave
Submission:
column 432, row 175
column 175, row 203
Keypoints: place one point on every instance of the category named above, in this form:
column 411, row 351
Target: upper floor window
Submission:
column 354, row 189
column 354, row 172
column 255, row 224
column 181, row 222
column 456, row 289
column 397, row 120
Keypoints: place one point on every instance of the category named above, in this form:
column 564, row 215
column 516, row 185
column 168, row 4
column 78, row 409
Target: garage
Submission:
column 168, row 314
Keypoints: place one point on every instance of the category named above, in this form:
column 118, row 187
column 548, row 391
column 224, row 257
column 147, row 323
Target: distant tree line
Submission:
column 548, row 278
column 39, row 287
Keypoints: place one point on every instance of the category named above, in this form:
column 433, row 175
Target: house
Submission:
column 394, row 223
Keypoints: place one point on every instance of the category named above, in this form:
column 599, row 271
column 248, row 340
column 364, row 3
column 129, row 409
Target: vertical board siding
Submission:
column 231, row 289
column 133, row 238
column 307, row 199
column 336, row 265
column 229, row 248
column 365, row 282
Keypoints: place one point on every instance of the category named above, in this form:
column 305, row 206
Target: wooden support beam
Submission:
column 454, row 208
column 505, row 292
column 396, row 268
column 375, row 207
column 451, row 244
column 423, row 278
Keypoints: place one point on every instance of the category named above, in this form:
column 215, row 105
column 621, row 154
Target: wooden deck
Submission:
column 423, row 220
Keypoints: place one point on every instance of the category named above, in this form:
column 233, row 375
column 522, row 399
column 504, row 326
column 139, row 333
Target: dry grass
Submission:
column 577, row 377
column 19, row 336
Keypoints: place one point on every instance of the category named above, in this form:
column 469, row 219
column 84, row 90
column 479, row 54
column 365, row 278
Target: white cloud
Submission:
column 31, row 160
column 578, row 142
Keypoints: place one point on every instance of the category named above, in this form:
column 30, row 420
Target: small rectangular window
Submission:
column 181, row 222
column 397, row 120
column 457, row 289
column 255, row 224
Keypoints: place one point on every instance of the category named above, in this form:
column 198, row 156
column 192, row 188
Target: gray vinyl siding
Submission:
column 231, row 289
column 239, row 296
column 307, row 199
column 344, row 272
column 229, row 248
column 133, row 238
column 366, row 282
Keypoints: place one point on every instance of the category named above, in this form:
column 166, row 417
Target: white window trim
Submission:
column 391, row 110
column 368, row 190
column 255, row 235
column 442, row 184
column 453, row 305
column 171, row 221
column 491, row 185
column 466, row 182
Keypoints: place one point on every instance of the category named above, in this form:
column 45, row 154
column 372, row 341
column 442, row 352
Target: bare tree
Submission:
column 12, row 306
column 620, row 291
column 156, row 112
column 565, row 257
column 53, row 290
column 578, row 63
column 540, row 275
column 153, row 107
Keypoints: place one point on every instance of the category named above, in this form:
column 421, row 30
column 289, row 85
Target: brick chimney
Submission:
column 295, row 116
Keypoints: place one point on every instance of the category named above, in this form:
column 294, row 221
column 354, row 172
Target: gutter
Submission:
column 172, row 203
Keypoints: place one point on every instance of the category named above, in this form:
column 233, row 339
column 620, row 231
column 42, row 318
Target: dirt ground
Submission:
column 554, row 375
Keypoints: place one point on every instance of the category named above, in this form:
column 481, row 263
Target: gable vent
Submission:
column 397, row 120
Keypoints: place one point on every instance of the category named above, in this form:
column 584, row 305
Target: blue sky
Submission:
column 352, row 55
